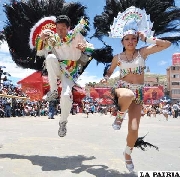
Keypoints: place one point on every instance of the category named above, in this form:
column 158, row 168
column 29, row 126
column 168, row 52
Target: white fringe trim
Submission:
column 53, row 18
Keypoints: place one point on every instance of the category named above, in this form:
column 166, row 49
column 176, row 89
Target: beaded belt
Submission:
column 138, row 90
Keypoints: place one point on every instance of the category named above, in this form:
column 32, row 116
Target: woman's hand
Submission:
column 142, row 36
column 103, row 81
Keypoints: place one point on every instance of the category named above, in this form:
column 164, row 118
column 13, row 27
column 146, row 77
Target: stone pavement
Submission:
column 30, row 147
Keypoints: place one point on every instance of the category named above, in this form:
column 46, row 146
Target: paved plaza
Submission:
column 30, row 147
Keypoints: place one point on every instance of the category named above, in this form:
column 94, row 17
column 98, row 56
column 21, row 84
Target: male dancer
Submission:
column 61, row 62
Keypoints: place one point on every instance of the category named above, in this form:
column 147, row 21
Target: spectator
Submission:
column 52, row 108
column 176, row 109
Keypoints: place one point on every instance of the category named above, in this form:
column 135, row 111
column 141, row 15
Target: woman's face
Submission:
column 130, row 41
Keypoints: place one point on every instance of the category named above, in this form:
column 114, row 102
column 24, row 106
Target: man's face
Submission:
column 62, row 29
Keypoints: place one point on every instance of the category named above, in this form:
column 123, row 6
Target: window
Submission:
column 175, row 83
column 175, row 67
column 175, row 91
column 175, row 76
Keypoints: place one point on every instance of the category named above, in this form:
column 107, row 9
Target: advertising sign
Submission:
column 152, row 95
column 176, row 59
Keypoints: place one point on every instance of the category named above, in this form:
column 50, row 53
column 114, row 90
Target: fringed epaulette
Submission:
column 140, row 143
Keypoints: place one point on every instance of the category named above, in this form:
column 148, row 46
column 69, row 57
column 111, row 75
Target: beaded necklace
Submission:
column 132, row 57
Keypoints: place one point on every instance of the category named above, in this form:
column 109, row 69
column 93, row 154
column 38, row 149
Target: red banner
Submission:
column 103, row 91
column 104, row 95
column 152, row 95
column 33, row 90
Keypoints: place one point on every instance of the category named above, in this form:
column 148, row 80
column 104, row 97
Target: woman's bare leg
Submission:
column 133, row 126
column 125, row 97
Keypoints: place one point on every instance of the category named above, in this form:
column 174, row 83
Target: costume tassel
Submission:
column 140, row 143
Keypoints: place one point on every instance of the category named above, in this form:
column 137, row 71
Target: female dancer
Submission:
column 128, row 91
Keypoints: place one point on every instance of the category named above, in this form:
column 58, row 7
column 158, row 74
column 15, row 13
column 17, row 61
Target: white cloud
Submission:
column 14, row 70
column 116, row 74
column 10, row 65
column 162, row 62
column 4, row 47
column 86, row 78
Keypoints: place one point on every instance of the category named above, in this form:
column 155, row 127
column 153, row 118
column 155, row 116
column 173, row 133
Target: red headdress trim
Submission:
column 44, row 23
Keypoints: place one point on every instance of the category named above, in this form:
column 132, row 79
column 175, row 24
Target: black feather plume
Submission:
column 103, row 55
column 21, row 17
column 2, row 37
column 140, row 143
column 164, row 14
column 107, row 66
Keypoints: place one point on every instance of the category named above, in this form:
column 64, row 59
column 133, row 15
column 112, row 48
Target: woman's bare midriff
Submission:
column 134, row 78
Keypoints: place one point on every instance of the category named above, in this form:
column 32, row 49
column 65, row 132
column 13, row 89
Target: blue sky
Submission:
column 158, row 63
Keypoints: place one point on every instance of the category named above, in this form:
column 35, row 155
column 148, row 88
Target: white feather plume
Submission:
column 131, row 19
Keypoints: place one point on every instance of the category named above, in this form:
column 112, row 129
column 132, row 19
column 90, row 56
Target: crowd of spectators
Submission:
column 14, row 102
column 166, row 108
column 14, row 107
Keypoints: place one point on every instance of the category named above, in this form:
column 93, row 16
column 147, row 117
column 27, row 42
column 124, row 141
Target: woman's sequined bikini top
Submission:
column 136, row 66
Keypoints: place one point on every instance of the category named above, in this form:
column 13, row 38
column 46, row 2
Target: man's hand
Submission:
column 81, row 47
column 45, row 34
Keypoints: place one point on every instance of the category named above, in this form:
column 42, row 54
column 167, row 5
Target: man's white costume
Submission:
column 62, row 58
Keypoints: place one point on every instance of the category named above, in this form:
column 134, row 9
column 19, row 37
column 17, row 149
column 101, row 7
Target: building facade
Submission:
column 173, row 78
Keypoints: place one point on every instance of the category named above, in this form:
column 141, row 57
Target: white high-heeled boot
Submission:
column 119, row 119
column 129, row 166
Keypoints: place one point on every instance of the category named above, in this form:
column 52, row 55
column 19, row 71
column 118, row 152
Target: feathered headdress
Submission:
column 163, row 14
column 23, row 15
column 131, row 21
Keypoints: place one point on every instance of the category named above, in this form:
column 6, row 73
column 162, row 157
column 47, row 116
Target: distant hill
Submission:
column 162, row 78
column 114, row 79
